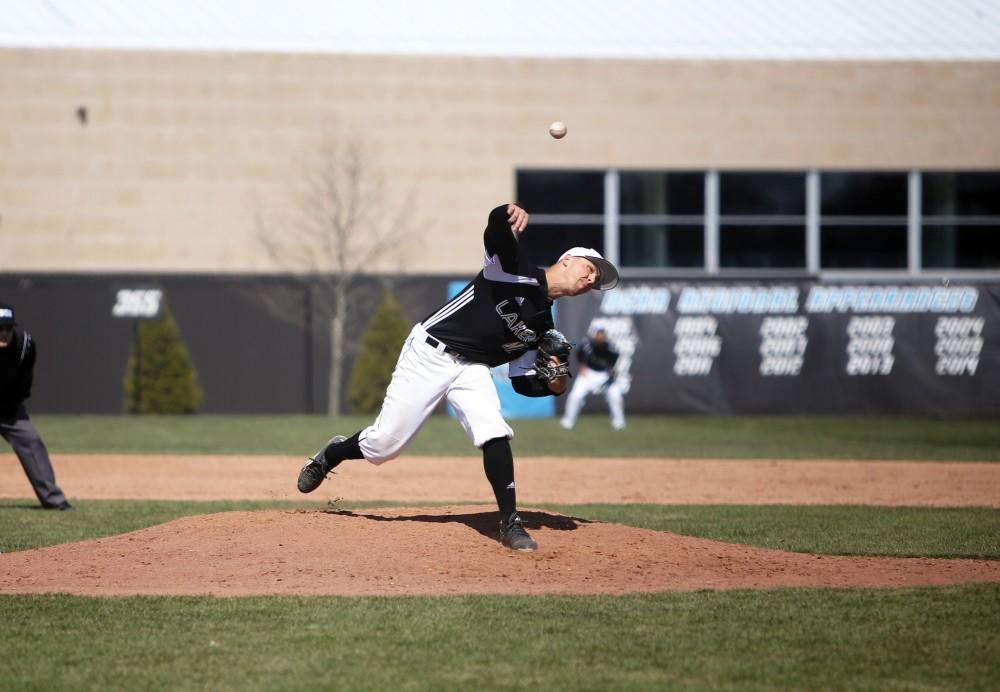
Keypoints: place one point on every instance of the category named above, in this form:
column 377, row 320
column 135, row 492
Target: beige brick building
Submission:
column 172, row 160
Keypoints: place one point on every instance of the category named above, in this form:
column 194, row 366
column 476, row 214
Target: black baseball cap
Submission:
column 6, row 315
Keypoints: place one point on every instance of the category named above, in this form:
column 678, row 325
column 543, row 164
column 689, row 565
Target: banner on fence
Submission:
column 800, row 347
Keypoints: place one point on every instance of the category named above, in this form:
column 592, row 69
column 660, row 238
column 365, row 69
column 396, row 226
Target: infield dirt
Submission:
column 539, row 479
column 453, row 550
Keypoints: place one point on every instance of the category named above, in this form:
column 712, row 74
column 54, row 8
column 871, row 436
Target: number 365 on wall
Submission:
column 137, row 302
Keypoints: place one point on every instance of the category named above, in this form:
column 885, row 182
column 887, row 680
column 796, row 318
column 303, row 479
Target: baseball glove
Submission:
column 552, row 345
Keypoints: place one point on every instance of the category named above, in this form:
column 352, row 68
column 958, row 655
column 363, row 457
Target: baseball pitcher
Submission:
column 504, row 315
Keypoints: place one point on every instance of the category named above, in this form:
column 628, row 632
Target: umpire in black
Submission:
column 17, row 365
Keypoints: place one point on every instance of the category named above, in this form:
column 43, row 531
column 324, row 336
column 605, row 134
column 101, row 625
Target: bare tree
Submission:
column 340, row 223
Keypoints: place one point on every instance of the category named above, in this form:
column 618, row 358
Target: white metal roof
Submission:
column 655, row 29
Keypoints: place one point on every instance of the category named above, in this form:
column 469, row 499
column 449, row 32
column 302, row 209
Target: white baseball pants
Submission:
column 588, row 382
column 425, row 375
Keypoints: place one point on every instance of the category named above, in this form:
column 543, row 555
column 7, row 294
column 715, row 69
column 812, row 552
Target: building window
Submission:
column 662, row 193
column 662, row 219
column 561, row 192
column 862, row 246
column 960, row 220
column 567, row 209
column 698, row 220
column 863, row 220
column 545, row 242
column 662, row 245
column 762, row 220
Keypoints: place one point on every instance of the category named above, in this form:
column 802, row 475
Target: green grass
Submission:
column 24, row 525
column 647, row 436
column 836, row 530
column 967, row 532
column 941, row 638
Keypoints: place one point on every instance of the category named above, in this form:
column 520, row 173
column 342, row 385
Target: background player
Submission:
column 504, row 315
column 597, row 374
column 17, row 366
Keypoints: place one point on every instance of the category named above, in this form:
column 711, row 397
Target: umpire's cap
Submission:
column 609, row 274
column 6, row 315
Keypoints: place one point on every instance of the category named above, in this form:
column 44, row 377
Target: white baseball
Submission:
column 557, row 129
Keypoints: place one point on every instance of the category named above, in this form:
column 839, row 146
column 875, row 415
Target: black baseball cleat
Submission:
column 513, row 535
column 62, row 507
column 312, row 474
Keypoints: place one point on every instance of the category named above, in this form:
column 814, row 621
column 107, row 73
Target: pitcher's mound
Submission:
column 443, row 550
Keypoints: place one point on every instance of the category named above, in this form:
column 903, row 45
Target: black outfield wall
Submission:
column 261, row 344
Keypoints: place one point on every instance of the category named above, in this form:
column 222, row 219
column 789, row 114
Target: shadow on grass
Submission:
column 486, row 523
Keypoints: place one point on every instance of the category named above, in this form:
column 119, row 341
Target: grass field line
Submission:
column 564, row 480
column 873, row 438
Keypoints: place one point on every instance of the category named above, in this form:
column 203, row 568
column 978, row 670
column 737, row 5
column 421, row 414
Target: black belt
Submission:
column 434, row 343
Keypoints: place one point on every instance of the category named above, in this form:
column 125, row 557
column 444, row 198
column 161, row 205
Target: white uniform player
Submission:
column 596, row 375
column 499, row 317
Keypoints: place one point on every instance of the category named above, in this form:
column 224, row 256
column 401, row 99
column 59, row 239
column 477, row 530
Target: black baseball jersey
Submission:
column 596, row 356
column 17, row 366
column 503, row 312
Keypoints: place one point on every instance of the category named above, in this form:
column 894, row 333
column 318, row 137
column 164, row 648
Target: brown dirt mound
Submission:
column 444, row 550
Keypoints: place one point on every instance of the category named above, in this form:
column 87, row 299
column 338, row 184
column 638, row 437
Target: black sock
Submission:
column 348, row 449
column 498, row 462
